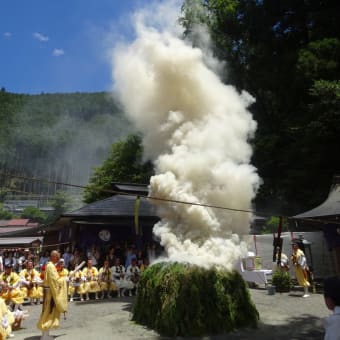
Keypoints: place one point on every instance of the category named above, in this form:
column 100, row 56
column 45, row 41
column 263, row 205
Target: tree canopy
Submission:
column 125, row 165
column 286, row 54
column 34, row 214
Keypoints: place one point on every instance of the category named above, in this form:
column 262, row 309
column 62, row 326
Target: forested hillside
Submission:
column 58, row 137
column 286, row 54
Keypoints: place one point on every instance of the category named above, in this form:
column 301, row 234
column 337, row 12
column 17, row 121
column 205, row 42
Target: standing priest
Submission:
column 55, row 297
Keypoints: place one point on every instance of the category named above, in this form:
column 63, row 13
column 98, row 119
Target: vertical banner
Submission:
column 137, row 203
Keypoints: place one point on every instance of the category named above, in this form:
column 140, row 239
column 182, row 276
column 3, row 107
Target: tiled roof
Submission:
column 117, row 205
column 13, row 229
column 15, row 223
column 330, row 207
column 131, row 188
column 19, row 240
column 18, row 222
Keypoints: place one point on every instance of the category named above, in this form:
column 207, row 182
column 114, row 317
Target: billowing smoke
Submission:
column 196, row 130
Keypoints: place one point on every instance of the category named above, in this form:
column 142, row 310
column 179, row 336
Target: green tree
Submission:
column 272, row 225
column 61, row 202
column 34, row 214
column 281, row 52
column 125, row 164
column 4, row 214
column 3, row 194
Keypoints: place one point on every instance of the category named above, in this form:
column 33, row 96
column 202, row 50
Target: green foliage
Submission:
column 124, row 164
column 183, row 300
column 3, row 193
column 59, row 137
column 60, row 202
column 284, row 54
column 281, row 280
column 272, row 225
column 320, row 59
column 4, row 214
column 34, row 214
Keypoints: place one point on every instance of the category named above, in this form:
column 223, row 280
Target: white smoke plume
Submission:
column 196, row 130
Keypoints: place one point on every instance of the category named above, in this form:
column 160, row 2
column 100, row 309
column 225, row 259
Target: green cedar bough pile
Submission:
column 177, row 299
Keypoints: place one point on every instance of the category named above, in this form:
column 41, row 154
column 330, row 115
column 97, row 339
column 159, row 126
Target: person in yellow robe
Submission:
column 62, row 271
column 55, row 297
column 10, row 283
column 31, row 283
column 7, row 320
column 76, row 285
column 300, row 265
column 91, row 275
column 105, row 278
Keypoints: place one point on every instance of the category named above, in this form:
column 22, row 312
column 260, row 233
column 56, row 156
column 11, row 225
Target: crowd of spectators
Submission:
column 18, row 257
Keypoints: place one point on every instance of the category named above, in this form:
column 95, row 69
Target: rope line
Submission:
column 110, row 191
column 125, row 193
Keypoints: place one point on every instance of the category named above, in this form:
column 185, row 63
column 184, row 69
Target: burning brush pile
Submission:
column 196, row 131
column 177, row 299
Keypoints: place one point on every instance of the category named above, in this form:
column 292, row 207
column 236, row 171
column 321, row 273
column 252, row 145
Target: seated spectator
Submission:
column 9, row 320
column 119, row 277
column 132, row 276
column 111, row 256
column 105, row 278
column 91, row 280
column 10, row 283
column 77, row 285
column 30, row 283
column 129, row 256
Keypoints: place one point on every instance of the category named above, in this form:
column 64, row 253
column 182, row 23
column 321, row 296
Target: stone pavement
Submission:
column 285, row 316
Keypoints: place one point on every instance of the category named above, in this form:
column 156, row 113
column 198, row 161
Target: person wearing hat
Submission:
column 55, row 297
column 10, row 283
column 332, row 301
column 300, row 266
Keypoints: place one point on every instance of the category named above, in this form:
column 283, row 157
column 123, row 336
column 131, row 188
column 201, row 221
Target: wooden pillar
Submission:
column 336, row 253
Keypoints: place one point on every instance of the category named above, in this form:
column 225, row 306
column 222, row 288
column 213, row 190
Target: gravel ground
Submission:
column 282, row 316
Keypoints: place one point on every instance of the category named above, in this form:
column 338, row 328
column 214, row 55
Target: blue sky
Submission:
column 60, row 45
